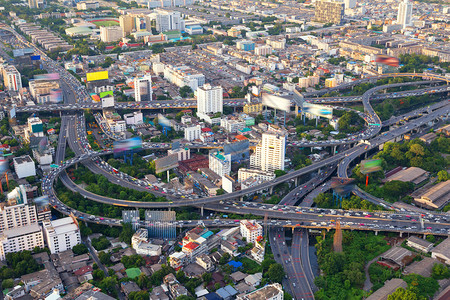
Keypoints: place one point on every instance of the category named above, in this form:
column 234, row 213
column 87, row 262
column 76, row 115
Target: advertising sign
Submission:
column 166, row 163
column 51, row 76
column 370, row 166
column 318, row 110
column 104, row 94
column 93, row 76
column 35, row 57
column 387, row 60
column 133, row 144
column 163, row 121
column 276, row 102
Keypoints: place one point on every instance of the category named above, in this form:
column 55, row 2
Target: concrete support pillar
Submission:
column 296, row 181
column 271, row 190
column 334, row 150
column 376, row 232
column 365, row 156
column 401, row 234
column 241, row 198
column 201, row 211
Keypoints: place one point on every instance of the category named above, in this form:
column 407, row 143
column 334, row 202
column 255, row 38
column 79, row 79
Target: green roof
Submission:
column 79, row 30
column 133, row 272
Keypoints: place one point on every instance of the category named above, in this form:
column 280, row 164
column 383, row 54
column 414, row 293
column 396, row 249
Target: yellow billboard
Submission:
column 97, row 76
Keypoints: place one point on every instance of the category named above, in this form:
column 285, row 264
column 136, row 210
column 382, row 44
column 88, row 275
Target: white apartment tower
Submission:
column 220, row 163
column 11, row 78
column 269, row 155
column 404, row 16
column 169, row 20
column 143, row 88
column 16, row 212
column 349, row 3
column 61, row 234
column 209, row 99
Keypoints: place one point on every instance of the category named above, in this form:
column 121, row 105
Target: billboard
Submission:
column 133, row 144
column 12, row 112
column 141, row 24
column 107, row 102
column 318, row 110
column 163, row 121
column 342, row 186
column 35, row 57
column 104, row 94
column 370, row 166
column 166, row 163
column 387, row 60
column 50, row 76
column 56, row 96
column 93, row 76
column 276, row 102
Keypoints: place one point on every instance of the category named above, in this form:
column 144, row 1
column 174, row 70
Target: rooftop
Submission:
column 443, row 248
column 388, row 288
column 24, row 230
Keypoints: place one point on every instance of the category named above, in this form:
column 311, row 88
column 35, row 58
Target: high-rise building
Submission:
column 11, row 78
column 192, row 133
column 16, row 211
column 143, row 88
column 269, row 155
column 404, row 15
column 36, row 3
column 61, row 234
column 349, row 3
column 169, row 20
column 110, row 33
column 329, row 11
column 20, row 239
column 219, row 163
column 127, row 24
column 209, row 99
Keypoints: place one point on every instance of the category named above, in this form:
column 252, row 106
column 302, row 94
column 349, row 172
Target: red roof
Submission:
column 191, row 246
column 240, row 137
column 206, row 129
column 83, row 270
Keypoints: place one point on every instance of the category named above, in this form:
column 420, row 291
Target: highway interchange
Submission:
column 73, row 132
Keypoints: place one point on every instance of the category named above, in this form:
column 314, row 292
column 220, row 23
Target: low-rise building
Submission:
column 389, row 287
column 24, row 166
column 250, row 230
column 205, row 262
column 442, row 252
column 435, row 197
column 419, row 244
column 245, row 173
column 269, row 292
column 140, row 243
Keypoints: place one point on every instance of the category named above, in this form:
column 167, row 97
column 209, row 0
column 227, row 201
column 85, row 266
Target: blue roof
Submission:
column 212, row 296
column 235, row 264
column 227, row 292
column 207, row 234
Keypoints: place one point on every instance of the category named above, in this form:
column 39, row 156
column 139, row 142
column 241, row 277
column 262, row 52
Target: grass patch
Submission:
column 105, row 23
column 250, row 266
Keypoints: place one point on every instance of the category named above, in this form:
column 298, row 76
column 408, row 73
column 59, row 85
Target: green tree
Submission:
column 440, row 271
column 275, row 273
column 402, row 294
column 80, row 249
column 7, row 284
column 442, row 175
column 279, row 173
column 127, row 233
column 185, row 91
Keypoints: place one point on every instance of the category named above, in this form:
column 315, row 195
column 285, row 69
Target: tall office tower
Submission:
column 127, row 24
column 61, row 234
column 270, row 153
column 110, row 34
column 169, row 20
column 11, row 78
column 405, row 13
column 209, row 99
column 329, row 11
column 349, row 3
column 143, row 88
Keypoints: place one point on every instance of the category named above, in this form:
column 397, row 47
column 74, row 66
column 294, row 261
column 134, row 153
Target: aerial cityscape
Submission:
column 226, row 150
